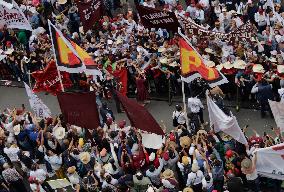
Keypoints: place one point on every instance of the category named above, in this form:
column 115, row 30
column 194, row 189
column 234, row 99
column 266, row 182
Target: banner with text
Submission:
column 241, row 34
column 154, row 18
column 277, row 109
column 90, row 12
column 13, row 18
column 270, row 161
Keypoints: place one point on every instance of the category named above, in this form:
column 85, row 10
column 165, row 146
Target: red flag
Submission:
column 139, row 116
column 80, row 109
column 48, row 79
column 122, row 79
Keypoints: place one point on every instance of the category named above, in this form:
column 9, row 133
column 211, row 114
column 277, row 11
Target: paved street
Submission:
column 14, row 97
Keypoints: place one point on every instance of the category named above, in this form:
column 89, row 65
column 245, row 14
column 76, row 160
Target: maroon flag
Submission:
column 90, row 12
column 155, row 18
column 79, row 109
column 138, row 116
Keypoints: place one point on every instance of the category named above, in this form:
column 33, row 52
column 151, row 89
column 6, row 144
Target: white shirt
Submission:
column 55, row 161
column 181, row 119
column 205, row 184
column 12, row 153
column 34, row 187
column 194, row 178
column 39, row 174
column 281, row 93
column 194, row 104
column 149, row 4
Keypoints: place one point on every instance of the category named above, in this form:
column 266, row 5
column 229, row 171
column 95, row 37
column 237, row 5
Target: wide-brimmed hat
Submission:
column 188, row 189
column 239, row 64
column 161, row 49
column 85, row 157
column 280, row 68
column 272, row 59
column 9, row 51
column 195, row 167
column 208, row 50
column 185, row 160
column 246, row 164
column 258, row 68
column 174, row 64
column 168, row 173
column 209, row 63
column 172, row 144
column 71, row 170
column 62, row 2
column 163, row 60
column 17, row 129
column 228, row 65
column 59, row 132
column 185, row 141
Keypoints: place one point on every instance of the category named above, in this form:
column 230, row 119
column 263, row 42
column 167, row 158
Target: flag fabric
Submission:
column 39, row 108
column 138, row 116
column 155, row 18
column 7, row 3
column 270, row 160
column 79, row 109
column 193, row 66
column 90, row 12
column 70, row 57
column 225, row 123
column 277, row 109
column 121, row 75
column 13, row 17
column 48, row 80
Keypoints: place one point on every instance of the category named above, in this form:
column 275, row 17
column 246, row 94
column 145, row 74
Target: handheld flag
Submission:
column 70, row 57
column 40, row 109
column 193, row 66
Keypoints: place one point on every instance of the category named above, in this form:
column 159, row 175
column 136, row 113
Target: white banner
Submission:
column 270, row 161
column 14, row 17
column 277, row 109
column 225, row 123
column 39, row 108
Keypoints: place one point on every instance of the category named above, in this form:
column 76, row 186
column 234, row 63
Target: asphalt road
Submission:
column 14, row 97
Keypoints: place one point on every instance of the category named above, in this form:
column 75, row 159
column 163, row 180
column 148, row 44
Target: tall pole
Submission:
column 59, row 76
column 184, row 104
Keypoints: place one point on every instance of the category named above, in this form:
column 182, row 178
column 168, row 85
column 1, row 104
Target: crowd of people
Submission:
column 112, row 157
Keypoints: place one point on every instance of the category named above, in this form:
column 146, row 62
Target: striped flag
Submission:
column 70, row 57
column 193, row 66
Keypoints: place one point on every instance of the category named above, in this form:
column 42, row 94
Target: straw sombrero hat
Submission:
column 246, row 164
column 185, row 141
column 188, row 189
column 228, row 65
column 208, row 50
column 163, row 60
column 62, row 2
column 195, row 167
column 280, row 68
column 209, row 63
column 59, row 132
column 71, row 170
column 239, row 64
column 17, row 129
column 161, row 49
column 257, row 68
column 85, row 157
column 168, row 173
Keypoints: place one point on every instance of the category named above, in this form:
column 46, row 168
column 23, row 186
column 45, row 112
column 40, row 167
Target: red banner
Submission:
column 122, row 77
column 90, row 12
column 49, row 81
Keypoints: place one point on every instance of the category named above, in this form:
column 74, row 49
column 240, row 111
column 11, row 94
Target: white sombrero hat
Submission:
column 163, row 60
column 280, row 68
column 208, row 50
column 239, row 64
column 257, row 68
column 209, row 63
column 228, row 65
column 85, row 157
column 59, row 132
column 62, row 2
column 17, row 129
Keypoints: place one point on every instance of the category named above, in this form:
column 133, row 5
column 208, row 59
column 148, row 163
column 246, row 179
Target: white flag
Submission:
column 277, row 109
column 270, row 161
column 39, row 108
column 14, row 17
column 225, row 123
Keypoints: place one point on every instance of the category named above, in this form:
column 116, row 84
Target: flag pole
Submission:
column 59, row 76
column 184, row 104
